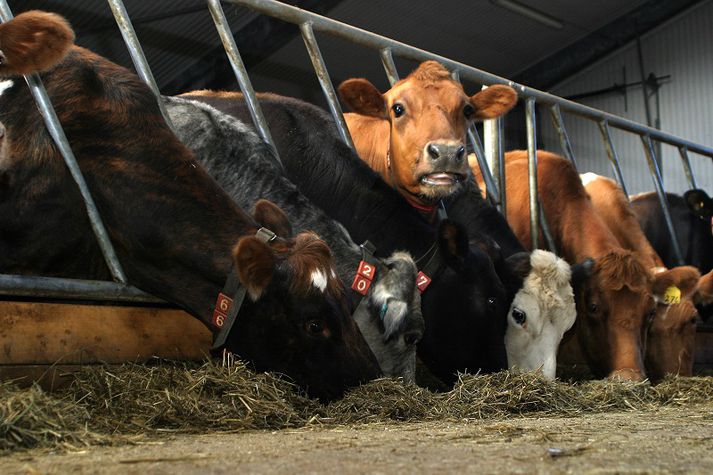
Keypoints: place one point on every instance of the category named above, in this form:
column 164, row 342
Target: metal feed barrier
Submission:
column 387, row 48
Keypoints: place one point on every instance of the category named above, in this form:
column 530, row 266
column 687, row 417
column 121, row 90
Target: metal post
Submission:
column 532, row 171
column 490, row 187
column 492, row 135
column 558, row 123
column 60, row 139
column 137, row 53
column 611, row 153
column 387, row 59
column 241, row 74
column 683, row 151
column 656, row 177
column 323, row 75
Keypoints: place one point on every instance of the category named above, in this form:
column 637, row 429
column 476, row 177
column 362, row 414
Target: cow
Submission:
column 414, row 137
column 464, row 301
column 671, row 337
column 616, row 304
column 414, row 134
column 389, row 315
column 177, row 234
column 692, row 216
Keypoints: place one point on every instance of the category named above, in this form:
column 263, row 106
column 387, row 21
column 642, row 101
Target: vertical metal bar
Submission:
column 683, row 151
column 241, row 74
column 474, row 140
column 532, row 171
column 137, row 53
column 492, row 136
column 558, row 123
column 387, row 59
column 611, row 153
column 656, row 177
column 60, row 139
column 323, row 76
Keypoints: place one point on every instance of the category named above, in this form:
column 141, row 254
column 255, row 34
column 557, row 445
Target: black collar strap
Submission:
column 226, row 308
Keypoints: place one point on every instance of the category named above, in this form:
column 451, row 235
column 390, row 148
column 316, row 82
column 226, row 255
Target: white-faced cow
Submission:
column 176, row 233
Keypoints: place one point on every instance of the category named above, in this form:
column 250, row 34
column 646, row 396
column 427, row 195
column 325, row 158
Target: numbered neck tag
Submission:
column 672, row 295
column 363, row 278
column 422, row 281
column 222, row 307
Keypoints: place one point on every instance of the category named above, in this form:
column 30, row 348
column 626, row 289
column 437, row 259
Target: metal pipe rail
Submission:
column 388, row 47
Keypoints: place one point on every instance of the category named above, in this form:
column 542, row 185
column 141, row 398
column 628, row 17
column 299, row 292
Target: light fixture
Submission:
column 530, row 13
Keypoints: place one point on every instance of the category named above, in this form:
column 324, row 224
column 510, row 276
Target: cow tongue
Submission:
column 439, row 179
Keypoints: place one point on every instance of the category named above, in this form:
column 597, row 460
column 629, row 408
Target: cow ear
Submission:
column 363, row 98
column 267, row 214
column 493, row 101
column 581, row 273
column 33, row 42
column 519, row 264
column 453, row 241
column 704, row 291
column 700, row 203
column 255, row 264
column 684, row 277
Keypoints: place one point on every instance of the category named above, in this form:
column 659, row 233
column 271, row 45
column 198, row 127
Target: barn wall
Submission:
column 682, row 48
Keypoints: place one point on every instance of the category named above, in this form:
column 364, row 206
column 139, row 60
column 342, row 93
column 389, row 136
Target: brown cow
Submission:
column 413, row 135
column 672, row 334
column 616, row 304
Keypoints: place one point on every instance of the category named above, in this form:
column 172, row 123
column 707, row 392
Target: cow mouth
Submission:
column 441, row 179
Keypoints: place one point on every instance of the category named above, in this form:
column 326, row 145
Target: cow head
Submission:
column 700, row 203
column 390, row 317
column 296, row 319
column 542, row 311
column 463, row 334
column 428, row 113
column 672, row 336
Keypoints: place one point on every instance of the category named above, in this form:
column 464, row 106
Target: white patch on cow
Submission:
column 547, row 300
column 319, row 280
column 5, row 85
column 588, row 177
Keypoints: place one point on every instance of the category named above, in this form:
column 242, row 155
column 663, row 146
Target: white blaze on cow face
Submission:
column 319, row 280
column 540, row 314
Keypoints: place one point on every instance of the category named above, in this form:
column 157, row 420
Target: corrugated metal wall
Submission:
column 682, row 48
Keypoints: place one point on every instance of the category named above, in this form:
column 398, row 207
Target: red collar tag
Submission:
column 364, row 276
column 422, row 281
column 222, row 307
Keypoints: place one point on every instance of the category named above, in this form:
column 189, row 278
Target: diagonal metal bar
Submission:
column 387, row 59
column 558, row 123
column 612, row 155
column 661, row 193
column 490, row 187
column 137, row 53
column 60, row 139
column 532, row 172
column 241, row 73
column 683, row 152
column 325, row 82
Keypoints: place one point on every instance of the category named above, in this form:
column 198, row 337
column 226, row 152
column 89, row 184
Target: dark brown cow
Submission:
column 615, row 306
column 413, row 135
column 176, row 233
column 672, row 335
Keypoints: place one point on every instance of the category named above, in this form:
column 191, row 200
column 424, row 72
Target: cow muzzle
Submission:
column 444, row 164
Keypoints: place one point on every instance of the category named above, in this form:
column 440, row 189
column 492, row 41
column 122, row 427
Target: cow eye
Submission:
column 519, row 316
column 468, row 111
column 398, row 110
column 491, row 302
column 315, row 327
column 593, row 308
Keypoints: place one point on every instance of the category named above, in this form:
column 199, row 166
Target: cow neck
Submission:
column 227, row 308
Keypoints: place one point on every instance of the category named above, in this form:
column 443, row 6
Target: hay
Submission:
column 112, row 404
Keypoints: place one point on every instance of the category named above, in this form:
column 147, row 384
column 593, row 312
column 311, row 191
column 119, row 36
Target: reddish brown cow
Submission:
column 672, row 334
column 616, row 304
column 413, row 135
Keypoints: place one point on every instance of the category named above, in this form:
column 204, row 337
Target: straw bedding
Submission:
column 109, row 405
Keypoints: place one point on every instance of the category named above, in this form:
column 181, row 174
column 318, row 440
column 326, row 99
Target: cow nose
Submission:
column 626, row 374
column 448, row 151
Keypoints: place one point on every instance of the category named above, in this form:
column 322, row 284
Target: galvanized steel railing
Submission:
column 309, row 23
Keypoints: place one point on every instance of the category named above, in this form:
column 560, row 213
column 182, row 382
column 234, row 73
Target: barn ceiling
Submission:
column 184, row 51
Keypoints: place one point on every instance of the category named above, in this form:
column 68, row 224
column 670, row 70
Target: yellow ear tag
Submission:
column 672, row 295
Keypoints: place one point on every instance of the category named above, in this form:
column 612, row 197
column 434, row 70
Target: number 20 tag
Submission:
column 364, row 275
